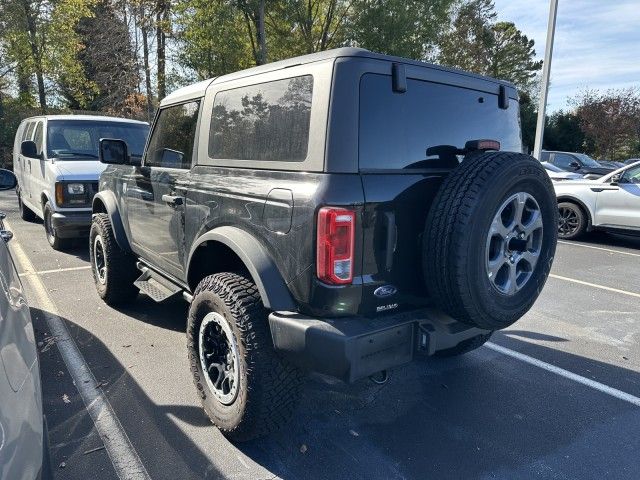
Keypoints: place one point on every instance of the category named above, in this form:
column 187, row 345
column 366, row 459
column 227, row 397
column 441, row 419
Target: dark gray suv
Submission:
column 343, row 212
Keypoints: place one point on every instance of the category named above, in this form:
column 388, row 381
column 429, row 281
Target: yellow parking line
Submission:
column 595, row 285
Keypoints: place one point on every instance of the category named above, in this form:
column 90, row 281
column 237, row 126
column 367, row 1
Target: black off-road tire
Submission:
column 26, row 213
column 53, row 238
column 120, row 266
column 456, row 232
column 269, row 386
column 466, row 346
column 569, row 212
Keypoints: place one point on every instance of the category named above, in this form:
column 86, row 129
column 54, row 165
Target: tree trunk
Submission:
column 147, row 70
column 260, row 35
column 161, row 16
column 36, row 53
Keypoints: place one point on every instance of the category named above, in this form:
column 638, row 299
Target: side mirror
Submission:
column 8, row 180
column 574, row 165
column 28, row 149
column 615, row 180
column 113, row 151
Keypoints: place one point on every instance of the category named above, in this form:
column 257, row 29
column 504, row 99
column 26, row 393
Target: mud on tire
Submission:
column 472, row 225
column 114, row 270
column 268, row 386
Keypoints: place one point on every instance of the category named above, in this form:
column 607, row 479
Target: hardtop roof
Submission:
column 198, row 89
column 87, row 117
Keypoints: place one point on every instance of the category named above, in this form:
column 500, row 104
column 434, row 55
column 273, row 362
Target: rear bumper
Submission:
column 71, row 224
column 355, row 347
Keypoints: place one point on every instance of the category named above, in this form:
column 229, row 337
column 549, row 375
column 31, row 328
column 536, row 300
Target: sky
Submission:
column 597, row 43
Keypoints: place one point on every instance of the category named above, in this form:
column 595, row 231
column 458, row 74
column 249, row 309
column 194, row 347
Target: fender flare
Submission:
column 271, row 286
column 108, row 199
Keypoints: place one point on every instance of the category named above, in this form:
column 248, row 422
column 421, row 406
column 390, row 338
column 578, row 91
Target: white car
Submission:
column 608, row 203
column 55, row 158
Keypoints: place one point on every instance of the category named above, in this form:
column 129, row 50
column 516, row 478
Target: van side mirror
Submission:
column 8, row 180
column 29, row 149
column 574, row 165
column 113, row 151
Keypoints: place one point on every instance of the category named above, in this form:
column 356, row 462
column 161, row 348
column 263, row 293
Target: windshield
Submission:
column 587, row 161
column 78, row 139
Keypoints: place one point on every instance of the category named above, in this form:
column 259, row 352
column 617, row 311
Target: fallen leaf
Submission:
column 354, row 433
column 303, row 448
column 65, row 398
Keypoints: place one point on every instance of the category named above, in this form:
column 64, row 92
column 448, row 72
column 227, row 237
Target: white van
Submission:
column 55, row 158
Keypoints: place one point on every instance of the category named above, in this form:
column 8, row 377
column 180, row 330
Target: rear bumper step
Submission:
column 355, row 347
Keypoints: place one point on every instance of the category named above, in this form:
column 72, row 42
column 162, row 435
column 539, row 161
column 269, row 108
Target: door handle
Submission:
column 172, row 200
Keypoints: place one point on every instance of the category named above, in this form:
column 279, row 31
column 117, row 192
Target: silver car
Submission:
column 24, row 453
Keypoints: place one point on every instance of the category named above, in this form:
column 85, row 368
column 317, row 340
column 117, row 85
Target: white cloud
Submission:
column 597, row 42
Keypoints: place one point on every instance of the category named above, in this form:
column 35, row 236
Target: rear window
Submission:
column 269, row 121
column 397, row 128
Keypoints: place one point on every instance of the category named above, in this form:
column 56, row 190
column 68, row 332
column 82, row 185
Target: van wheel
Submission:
column 26, row 213
column 54, row 240
column 572, row 222
column 466, row 346
column 113, row 269
column 246, row 389
column 490, row 239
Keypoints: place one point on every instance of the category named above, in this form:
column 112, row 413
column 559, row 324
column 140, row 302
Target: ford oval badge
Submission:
column 385, row 291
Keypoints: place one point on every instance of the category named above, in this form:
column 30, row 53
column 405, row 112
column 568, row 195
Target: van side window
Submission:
column 563, row 160
column 171, row 142
column 38, row 138
column 28, row 131
column 268, row 121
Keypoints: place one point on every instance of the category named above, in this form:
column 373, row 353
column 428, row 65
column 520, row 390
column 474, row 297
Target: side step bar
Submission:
column 155, row 285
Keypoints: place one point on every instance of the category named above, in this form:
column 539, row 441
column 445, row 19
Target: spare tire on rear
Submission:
column 490, row 239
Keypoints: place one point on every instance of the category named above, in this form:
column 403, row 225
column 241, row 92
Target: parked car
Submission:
column 557, row 174
column 611, row 164
column 24, row 452
column 609, row 203
column 55, row 158
column 576, row 162
column 343, row 212
column 631, row 160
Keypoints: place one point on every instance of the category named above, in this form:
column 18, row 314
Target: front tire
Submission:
column 53, row 238
column 114, row 270
column 246, row 389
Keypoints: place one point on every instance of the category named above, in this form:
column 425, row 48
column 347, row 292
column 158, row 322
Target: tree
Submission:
column 563, row 132
column 610, row 121
column 477, row 44
column 206, row 54
column 407, row 28
column 254, row 12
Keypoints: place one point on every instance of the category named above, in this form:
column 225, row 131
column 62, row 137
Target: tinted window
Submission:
column 563, row 161
column 78, row 139
column 38, row 138
column 397, row 128
column 171, row 143
column 269, row 121
column 631, row 175
column 544, row 156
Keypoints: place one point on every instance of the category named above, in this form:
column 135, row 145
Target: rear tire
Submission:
column 466, row 346
column 251, row 390
column 113, row 269
column 490, row 239
column 26, row 213
column 572, row 221
column 54, row 240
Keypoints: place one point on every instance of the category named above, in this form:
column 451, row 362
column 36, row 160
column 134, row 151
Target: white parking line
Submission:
column 56, row 270
column 598, row 248
column 595, row 285
column 601, row 387
column 123, row 455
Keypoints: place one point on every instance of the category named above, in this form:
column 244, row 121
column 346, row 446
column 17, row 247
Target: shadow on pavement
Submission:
column 483, row 415
column 605, row 239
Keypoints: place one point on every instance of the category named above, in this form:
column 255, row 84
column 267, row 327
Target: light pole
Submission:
column 546, row 70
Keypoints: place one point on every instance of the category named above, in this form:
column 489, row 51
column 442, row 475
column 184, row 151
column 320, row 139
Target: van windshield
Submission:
column 396, row 129
column 78, row 139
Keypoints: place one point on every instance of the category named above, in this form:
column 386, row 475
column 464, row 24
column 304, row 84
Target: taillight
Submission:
column 336, row 234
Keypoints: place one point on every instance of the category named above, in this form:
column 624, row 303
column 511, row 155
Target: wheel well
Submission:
column 99, row 207
column 212, row 257
column 581, row 206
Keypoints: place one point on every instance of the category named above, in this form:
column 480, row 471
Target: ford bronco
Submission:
column 343, row 213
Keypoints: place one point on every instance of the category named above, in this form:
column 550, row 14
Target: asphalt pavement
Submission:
column 557, row 398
